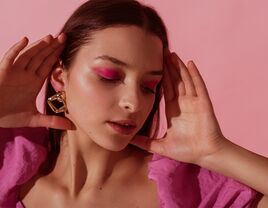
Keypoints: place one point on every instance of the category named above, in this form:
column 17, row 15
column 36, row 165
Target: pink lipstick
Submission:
column 125, row 128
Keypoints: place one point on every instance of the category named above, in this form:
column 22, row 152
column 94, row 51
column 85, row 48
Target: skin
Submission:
column 32, row 64
column 193, row 134
column 93, row 147
column 94, row 159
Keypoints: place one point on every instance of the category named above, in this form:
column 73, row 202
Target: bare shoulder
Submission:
column 38, row 191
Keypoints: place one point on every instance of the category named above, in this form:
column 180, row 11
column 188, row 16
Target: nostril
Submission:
column 130, row 103
column 130, row 107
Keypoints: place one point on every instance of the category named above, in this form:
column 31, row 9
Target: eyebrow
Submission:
column 121, row 63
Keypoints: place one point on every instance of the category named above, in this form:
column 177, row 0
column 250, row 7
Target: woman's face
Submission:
column 110, row 89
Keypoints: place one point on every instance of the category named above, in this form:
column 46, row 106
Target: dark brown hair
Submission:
column 96, row 15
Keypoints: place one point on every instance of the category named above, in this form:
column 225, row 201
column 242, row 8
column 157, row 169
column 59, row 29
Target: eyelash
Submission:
column 111, row 81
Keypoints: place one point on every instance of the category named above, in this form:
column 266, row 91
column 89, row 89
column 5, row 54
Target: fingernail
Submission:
column 62, row 37
column 23, row 39
column 191, row 62
column 49, row 36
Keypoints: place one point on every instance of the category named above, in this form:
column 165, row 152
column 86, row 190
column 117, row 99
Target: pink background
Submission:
column 227, row 39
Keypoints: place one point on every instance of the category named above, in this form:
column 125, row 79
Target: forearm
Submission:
column 240, row 164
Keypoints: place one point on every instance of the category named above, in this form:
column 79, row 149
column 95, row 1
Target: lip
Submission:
column 118, row 126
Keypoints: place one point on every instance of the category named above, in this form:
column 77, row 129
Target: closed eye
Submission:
column 108, row 80
column 114, row 81
column 151, row 86
column 147, row 89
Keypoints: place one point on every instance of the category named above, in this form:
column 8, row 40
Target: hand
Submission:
column 22, row 75
column 193, row 131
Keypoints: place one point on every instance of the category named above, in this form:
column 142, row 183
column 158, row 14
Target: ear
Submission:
column 58, row 78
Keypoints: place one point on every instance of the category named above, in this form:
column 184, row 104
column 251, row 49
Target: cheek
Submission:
column 85, row 97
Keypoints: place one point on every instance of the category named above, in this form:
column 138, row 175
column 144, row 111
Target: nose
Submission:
column 130, row 101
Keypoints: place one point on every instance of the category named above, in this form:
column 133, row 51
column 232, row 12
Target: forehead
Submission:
column 131, row 44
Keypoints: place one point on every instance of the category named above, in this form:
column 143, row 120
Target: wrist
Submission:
column 217, row 156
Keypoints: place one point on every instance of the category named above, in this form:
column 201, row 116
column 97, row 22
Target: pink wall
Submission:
column 227, row 39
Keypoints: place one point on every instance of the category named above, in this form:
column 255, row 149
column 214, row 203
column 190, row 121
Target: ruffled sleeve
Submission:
column 183, row 185
column 22, row 151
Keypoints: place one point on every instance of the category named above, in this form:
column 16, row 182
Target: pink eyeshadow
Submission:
column 151, row 84
column 107, row 73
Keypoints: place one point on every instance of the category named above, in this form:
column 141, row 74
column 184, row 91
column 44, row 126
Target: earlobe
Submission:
column 57, row 79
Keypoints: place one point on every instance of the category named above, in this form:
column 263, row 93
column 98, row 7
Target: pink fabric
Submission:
column 183, row 185
column 22, row 151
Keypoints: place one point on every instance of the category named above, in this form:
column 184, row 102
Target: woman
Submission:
column 108, row 70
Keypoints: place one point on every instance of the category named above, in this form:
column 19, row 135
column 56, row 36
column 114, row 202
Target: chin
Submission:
column 113, row 145
column 115, row 148
column 111, row 141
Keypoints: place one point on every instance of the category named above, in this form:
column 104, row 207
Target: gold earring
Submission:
column 59, row 97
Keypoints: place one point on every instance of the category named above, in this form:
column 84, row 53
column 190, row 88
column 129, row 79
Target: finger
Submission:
column 51, row 121
column 185, row 76
column 169, row 93
column 25, row 57
column 13, row 52
column 181, row 88
column 174, row 71
column 167, row 85
column 45, row 55
column 198, row 81
column 150, row 145
column 46, row 67
column 47, row 37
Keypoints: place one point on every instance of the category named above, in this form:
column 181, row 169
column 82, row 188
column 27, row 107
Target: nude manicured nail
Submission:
column 48, row 38
column 23, row 39
column 191, row 63
column 62, row 38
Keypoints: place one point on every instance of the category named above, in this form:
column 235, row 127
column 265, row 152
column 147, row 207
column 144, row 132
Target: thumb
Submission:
column 50, row 121
column 148, row 144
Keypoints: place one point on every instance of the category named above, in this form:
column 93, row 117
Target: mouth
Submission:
column 122, row 127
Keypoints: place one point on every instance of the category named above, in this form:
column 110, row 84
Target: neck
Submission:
column 84, row 165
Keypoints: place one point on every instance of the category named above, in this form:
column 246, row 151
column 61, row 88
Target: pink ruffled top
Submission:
column 180, row 185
